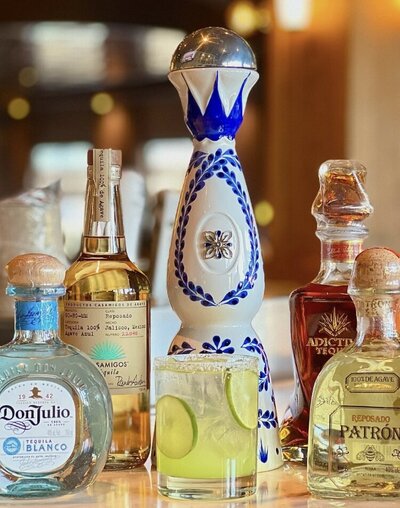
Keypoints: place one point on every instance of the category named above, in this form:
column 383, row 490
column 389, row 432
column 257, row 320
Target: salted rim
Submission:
column 206, row 363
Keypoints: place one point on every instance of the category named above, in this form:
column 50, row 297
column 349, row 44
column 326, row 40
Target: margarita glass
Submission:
column 206, row 432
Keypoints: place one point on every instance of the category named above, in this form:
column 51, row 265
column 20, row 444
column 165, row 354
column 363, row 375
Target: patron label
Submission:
column 37, row 426
column 372, row 382
column 364, row 436
column 114, row 336
column 329, row 332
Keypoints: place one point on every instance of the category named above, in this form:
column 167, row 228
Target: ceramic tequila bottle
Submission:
column 215, row 273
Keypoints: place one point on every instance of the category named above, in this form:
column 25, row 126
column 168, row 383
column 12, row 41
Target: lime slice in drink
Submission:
column 176, row 427
column 241, row 390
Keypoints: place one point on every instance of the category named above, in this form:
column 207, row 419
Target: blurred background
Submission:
column 95, row 73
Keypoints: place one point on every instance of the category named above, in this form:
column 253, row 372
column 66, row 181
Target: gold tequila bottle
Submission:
column 106, row 311
column 354, row 433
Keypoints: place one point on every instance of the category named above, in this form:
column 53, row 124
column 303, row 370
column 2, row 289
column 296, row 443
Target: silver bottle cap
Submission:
column 213, row 47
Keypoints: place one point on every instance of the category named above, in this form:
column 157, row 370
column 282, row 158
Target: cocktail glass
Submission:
column 206, row 425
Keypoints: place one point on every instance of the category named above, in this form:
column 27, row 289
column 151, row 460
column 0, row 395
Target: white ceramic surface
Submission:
column 215, row 275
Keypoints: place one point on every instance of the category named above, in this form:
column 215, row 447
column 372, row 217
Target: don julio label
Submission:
column 37, row 426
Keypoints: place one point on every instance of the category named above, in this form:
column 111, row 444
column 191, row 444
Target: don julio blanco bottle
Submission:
column 106, row 311
column 55, row 409
column 354, row 435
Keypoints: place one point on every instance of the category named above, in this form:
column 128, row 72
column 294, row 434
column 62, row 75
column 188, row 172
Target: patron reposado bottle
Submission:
column 106, row 311
column 354, row 446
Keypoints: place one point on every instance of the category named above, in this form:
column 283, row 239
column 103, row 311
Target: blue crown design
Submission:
column 214, row 124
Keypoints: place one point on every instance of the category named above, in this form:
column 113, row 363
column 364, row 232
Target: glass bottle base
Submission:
column 34, row 487
column 124, row 461
column 208, row 488
column 295, row 454
column 339, row 487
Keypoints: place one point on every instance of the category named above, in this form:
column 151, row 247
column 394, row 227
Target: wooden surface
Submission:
column 306, row 101
column 373, row 114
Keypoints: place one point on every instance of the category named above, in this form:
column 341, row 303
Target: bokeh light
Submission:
column 18, row 108
column 102, row 103
column 264, row 213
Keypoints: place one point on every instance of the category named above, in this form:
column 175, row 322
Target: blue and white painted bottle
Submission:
column 215, row 271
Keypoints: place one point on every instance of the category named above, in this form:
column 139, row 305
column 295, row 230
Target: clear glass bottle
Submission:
column 323, row 319
column 55, row 409
column 106, row 311
column 354, row 436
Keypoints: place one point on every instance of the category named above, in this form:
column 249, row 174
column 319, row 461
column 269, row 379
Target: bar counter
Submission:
column 282, row 488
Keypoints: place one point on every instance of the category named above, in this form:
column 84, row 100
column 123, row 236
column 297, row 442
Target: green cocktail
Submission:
column 206, row 425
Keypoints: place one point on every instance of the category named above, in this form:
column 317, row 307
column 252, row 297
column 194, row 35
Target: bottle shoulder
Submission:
column 59, row 350
column 314, row 290
column 102, row 273
column 353, row 360
column 62, row 361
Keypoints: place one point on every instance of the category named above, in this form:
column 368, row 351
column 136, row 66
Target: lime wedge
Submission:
column 241, row 390
column 176, row 427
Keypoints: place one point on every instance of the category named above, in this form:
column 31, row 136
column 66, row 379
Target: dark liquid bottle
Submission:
column 323, row 319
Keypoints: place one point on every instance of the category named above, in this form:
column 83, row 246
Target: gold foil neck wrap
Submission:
column 35, row 270
column 376, row 270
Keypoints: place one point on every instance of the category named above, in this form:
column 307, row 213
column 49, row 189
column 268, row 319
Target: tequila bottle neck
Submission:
column 103, row 230
column 337, row 259
column 211, row 146
column 36, row 321
column 377, row 321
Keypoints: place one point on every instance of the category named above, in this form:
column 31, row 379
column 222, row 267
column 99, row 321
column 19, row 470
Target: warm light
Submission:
column 102, row 103
column 18, row 108
column 293, row 14
column 264, row 213
column 28, row 76
column 67, row 53
column 158, row 44
column 244, row 17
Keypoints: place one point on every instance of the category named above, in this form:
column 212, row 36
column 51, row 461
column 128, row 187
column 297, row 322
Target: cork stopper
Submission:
column 115, row 156
column 33, row 270
column 376, row 271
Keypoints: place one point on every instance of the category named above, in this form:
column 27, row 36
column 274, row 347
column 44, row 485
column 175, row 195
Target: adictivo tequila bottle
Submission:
column 354, row 435
column 106, row 311
column 322, row 315
column 55, row 409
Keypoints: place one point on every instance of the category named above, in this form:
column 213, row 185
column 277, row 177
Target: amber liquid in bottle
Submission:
column 323, row 322
column 106, row 313
column 323, row 318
